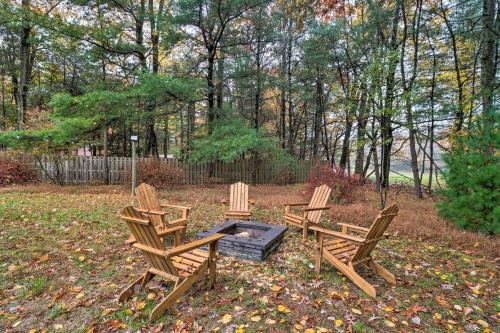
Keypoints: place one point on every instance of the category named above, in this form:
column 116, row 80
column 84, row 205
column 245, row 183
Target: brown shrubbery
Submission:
column 16, row 171
column 159, row 174
column 336, row 178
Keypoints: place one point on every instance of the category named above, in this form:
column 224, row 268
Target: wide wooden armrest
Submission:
column 297, row 204
column 181, row 221
column 337, row 234
column 358, row 228
column 171, row 230
column 175, row 206
column 150, row 249
column 316, row 208
column 154, row 212
column 194, row 245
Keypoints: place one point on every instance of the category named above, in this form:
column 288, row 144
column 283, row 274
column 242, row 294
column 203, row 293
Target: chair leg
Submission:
column 130, row 290
column 304, row 231
column 382, row 272
column 212, row 265
column 179, row 289
column 351, row 274
column 319, row 252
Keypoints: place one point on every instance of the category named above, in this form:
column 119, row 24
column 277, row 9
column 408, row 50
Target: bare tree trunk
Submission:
column 408, row 87
column 386, row 117
column 318, row 114
column 361, row 142
column 27, row 53
column 459, row 115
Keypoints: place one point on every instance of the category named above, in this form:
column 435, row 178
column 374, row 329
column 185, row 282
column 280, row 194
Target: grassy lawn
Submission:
column 64, row 261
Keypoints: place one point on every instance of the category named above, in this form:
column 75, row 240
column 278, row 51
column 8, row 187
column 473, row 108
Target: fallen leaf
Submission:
column 276, row 288
column 226, row 319
column 140, row 305
column 389, row 323
column 284, row 309
column 255, row 318
column 356, row 311
column 483, row 323
column 339, row 322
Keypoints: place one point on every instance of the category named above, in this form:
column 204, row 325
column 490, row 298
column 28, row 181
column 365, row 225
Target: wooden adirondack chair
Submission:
column 311, row 214
column 238, row 202
column 353, row 246
column 183, row 264
column 149, row 202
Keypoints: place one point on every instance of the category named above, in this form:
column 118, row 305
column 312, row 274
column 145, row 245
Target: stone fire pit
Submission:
column 247, row 239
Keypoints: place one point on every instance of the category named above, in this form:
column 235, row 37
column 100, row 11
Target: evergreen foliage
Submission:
column 471, row 199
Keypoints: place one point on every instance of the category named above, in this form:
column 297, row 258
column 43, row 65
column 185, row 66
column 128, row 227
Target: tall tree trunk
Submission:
column 26, row 65
column 459, row 114
column 344, row 155
column 210, row 86
column 220, row 79
column 386, row 117
column 318, row 114
column 291, row 134
column 282, row 119
column 362, row 120
column 431, row 128
column 408, row 87
column 488, row 64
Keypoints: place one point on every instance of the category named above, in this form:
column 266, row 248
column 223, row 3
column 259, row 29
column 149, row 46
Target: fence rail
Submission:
column 91, row 170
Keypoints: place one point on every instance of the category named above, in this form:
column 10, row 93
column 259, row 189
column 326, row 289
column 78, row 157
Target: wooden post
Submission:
column 133, row 138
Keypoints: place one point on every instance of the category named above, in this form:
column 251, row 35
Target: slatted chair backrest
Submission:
column 319, row 199
column 376, row 232
column 148, row 199
column 145, row 234
column 238, row 197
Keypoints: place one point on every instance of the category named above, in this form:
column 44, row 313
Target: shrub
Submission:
column 16, row 171
column 159, row 174
column 471, row 198
column 334, row 177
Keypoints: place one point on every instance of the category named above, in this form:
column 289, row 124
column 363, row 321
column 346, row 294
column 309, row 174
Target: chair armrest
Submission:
column 329, row 232
column 297, row 204
column 171, row 230
column 150, row 249
column 153, row 212
column 316, row 208
column 175, row 206
column 177, row 222
column 358, row 228
column 355, row 227
column 194, row 245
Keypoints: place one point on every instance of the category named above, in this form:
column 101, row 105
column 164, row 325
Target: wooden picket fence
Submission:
column 91, row 170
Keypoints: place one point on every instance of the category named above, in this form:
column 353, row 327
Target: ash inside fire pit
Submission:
column 247, row 239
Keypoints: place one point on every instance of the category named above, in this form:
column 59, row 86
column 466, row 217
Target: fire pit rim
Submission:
column 268, row 236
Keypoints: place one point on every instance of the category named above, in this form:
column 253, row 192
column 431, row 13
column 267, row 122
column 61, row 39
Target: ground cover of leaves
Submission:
column 64, row 261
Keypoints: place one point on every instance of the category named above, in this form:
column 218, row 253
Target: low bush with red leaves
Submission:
column 336, row 178
column 16, row 171
column 159, row 174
